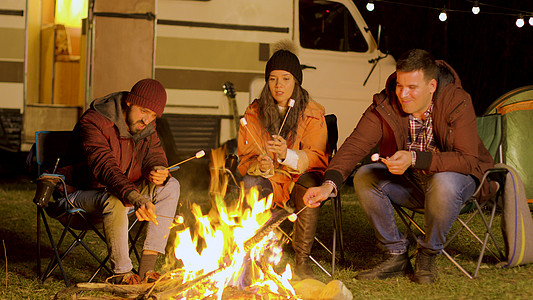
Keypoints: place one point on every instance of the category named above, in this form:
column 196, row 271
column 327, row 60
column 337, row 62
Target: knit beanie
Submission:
column 284, row 60
column 148, row 93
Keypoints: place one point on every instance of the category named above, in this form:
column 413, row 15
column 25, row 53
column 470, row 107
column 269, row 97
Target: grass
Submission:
column 18, row 244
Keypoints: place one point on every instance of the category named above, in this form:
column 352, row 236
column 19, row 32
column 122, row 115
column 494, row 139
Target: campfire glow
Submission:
column 230, row 247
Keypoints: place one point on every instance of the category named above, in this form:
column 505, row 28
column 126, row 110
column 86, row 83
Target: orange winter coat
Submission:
column 309, row 143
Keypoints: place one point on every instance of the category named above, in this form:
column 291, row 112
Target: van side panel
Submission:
column 203, row 44
column 13, row 33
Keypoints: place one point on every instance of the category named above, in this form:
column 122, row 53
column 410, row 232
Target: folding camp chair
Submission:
column 489, row 129
column 50, row 147
column 337, row 237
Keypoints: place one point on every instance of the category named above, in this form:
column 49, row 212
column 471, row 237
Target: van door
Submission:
column 335, row 50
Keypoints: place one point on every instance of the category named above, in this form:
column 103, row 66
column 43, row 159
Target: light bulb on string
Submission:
column 442, row 16
column 370, row 5
column 530, row 21
column 475, row 8
column 520, row 22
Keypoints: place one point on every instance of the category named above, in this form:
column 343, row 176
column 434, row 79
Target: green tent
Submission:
column 516, row 109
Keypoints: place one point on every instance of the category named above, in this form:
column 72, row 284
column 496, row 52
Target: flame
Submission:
column 222, row 244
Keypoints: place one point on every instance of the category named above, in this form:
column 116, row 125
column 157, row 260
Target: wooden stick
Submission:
column 291, row 104
column 199, row 154
column 244, row 123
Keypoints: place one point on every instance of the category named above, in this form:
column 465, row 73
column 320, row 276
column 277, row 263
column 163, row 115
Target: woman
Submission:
column 282, row 148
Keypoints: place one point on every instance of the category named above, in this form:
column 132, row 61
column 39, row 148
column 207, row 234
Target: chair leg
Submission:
column 56, row 252
column 39, row 241
column 488, row 234
column 488, row 226
column 450, row 258
column 310, row 257
column 337, row 231
column 339, row 226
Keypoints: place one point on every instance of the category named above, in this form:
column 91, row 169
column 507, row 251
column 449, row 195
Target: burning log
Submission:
column 278, row 216
column 122, row 291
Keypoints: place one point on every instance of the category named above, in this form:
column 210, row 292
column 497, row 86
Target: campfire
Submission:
column 233, row 248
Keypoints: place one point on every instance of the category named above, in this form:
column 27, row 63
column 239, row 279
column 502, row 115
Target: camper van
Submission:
column 207, row 53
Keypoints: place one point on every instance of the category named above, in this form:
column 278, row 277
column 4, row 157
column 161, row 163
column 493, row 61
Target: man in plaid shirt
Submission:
column 431, row 157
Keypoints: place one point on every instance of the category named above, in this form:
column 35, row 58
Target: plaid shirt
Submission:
column 421, row 133
column 421, row 139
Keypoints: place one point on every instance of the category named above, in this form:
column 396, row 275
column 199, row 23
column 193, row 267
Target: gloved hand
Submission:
column 144, row 208
column 136, row 199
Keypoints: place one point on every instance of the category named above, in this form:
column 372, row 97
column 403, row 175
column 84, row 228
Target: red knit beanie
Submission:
column 148, row 93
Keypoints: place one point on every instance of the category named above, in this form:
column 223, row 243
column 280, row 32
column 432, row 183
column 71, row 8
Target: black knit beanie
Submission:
column 284, row 60
column 148, row 93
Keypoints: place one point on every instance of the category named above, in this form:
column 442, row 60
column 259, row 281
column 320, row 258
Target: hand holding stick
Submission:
column 198, row 154
column 291, row 104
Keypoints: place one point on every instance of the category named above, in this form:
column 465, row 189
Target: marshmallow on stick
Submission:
column 375, row 157
column 291, row 104
column 198, row 154
column 292, row 217
column 244, row 123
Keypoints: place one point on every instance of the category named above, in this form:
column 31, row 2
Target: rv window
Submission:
column 328, row 25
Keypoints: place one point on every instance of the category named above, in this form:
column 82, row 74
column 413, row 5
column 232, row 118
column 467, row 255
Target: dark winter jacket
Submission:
column 103, row 154
column 385, row 124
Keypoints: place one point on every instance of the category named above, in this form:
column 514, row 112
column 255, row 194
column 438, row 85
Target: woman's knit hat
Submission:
column 284, row 60
column 148, row 93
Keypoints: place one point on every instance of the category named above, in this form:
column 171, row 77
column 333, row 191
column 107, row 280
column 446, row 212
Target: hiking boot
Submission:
column 425, row 269
column 394, row 265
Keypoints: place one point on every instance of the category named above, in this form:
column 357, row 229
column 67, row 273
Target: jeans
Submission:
column 101, row 204
column 441, row 196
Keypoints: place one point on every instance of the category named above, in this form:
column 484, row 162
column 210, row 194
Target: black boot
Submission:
column 394, row 265
column 425, row 269
column 304, row 234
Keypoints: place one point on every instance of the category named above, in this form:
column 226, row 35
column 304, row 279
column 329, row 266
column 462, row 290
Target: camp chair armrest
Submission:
column 495, row 174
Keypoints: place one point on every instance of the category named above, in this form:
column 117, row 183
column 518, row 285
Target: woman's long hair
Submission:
column 271, row 118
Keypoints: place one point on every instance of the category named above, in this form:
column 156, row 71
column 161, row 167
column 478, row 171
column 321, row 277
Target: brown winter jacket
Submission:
column 105, row 155
column 385, row 124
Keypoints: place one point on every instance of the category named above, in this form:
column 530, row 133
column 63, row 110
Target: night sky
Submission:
column 489, row 52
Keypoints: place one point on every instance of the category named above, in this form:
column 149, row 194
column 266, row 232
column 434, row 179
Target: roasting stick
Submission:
column 244, row 123
column 199, row 154
column 291, row 104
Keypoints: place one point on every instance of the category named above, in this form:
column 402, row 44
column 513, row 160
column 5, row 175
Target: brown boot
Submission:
column 425, row 269
column 304, row 234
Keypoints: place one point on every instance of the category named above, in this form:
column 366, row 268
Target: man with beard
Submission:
column 117, row 164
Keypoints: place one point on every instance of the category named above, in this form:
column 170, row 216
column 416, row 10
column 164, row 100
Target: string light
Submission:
column 442, row 16
column 520, row 22
column 496, row 10
column 370, row 5
column 475, row 8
